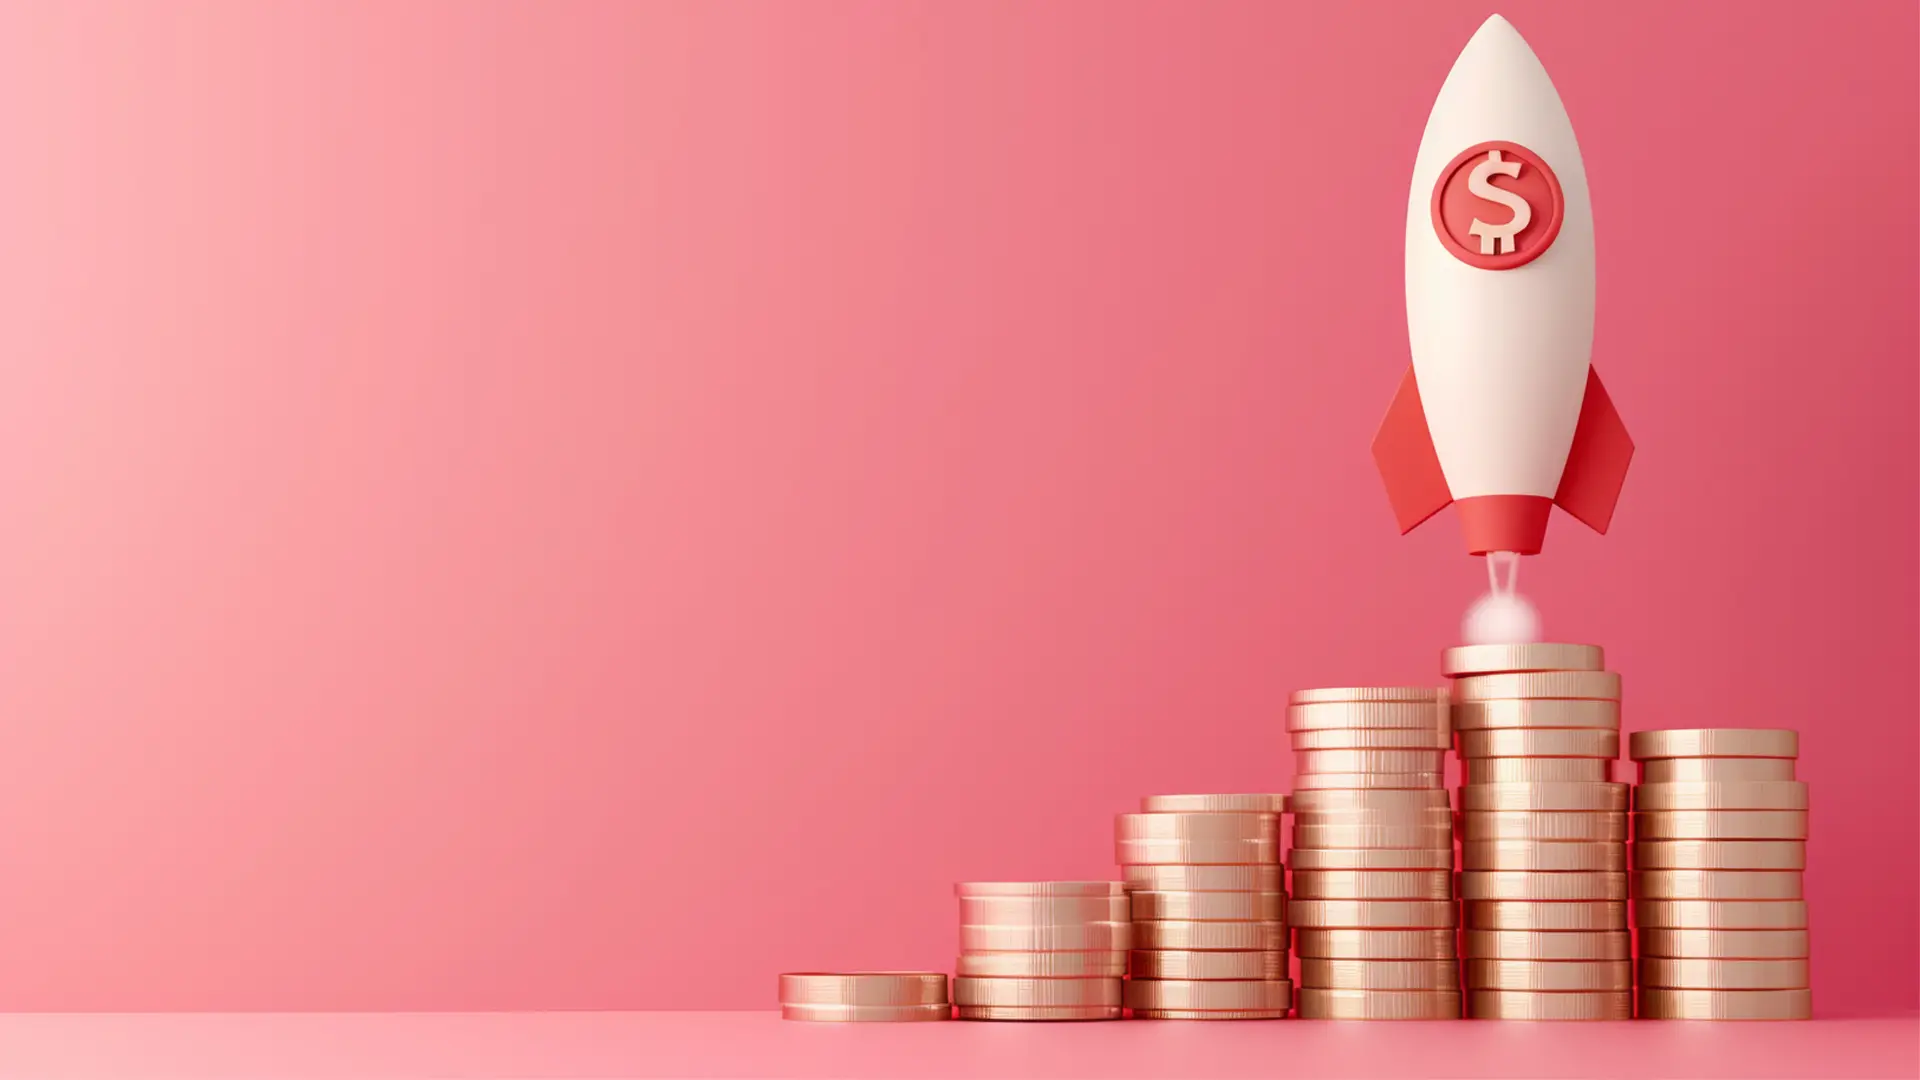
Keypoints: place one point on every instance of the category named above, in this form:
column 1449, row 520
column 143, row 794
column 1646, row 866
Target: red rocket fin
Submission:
column 1403, row 451
column 1597, row 462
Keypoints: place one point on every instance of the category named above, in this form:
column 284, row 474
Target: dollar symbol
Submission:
column 1493, row 236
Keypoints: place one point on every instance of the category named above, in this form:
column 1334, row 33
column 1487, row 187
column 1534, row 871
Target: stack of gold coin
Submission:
column 1720, row 846
column 1209, row 907
column 883, row 996
column 1041, row 950
column 1373, row 911
column 1543, row 831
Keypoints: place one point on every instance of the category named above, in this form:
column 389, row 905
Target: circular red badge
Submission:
column 1497, row 206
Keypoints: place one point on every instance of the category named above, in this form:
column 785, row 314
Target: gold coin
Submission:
column 1550, row 856
column 1658, row 1004
column 1717, row 884
column 1372, row 885
column 1337, row 801
column 1029, row 993
column 1374, row 944
column 1591, row 826
column 1173, row 826
column 1305, row 782
column 1041, row 911
column 1101, row 964
column 1190, row 964
column 1177, row 878
column 1540, row 742
column 1546, row 915
column 1043, row 1012
column 1434, row 858
column 1720, row 914
column 1210, row 906
column 1544, row 796
column 1372, row 914
column 1039, row 888
column 1440, row 817
column 1725, row 944
column 1535, row 1005
column 1497, row 770
column 1727, row 795
column 1427, row 738
column 1548, row 945
column 1524, row 713
column 1364, row 693
column 1721, row 825
column 1370, row 761
column 1548, row 976
column 1380, row 974
column 1716, row 974
column 1210, row 936
column 1358, row 715
column 1715, row 770
column 1322, row 1004
column 1714, row 742
column 1192, row 852
column 1539, row 656
column 854, row 1014
column 1720, row 855
column 1536, row 885
column 863, row 988
column 1209, row 1014
column 1085, row 937
column 1207, row 804
column 1371, row 836
column 1209, row 994
column 1577, row 685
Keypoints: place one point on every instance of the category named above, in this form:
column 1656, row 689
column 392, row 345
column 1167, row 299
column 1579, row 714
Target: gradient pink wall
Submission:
column 593, row 504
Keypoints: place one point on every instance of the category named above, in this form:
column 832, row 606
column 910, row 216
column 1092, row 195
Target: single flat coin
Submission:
column 1099, row 964
column 1437, row 816
column 1372, row 914
column 1720, row 855
column 1550, row 856
column 1720, row 825
column 1718, row 884
column 1540, row 742
column 1210, row 906
column 1192, row 964
column 1210, row 936
column 1657, row 1004
column 1534, row 713
column 1178, row 878
column 1540, row 656
column 1371, row 836
column 1085, row 937
column 1358, row 715
column 1041, row 911
column 1535, row 1005
column 1044, row 1012
column 1209, row 1014
column 1546, row 915
column 1590, row 826
column 1431, row 737
column 1544, row 796
column 1335, row 801
column 1209, row 994
column 1548, row 976
column 1372, row 885
column 1718, row 974
column 1537, row 885
column 1039, row 888
column 1196, row 852
column 1725, row 944
column 1726, row 795
column 1512, row 770
column 1714, row 742
column 1548, row 945
column 1364, row 693
column 1028, row 993
column 1715, row 770
column 1370, row 761
column 1177, row 826
column 1380, row 974
column 1575, row 685
column 1720, row 914
column 863, row 988
column 1321, row 1004
column 1435, row 944
column 868, row 1014
column 1433, row 858
column 1206, row 804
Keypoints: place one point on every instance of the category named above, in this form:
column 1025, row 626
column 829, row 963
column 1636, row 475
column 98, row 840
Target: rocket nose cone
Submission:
column 1496, row 44
column 1496, row 32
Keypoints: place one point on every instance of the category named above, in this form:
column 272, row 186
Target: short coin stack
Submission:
column 1543, row 832
column 1373, row 912
column 1720, row 845
column 883, row 996
column 1209, row 907
column 1041, row 950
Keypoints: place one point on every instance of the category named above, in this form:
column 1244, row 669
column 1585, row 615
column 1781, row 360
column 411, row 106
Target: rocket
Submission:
column 1501, row 414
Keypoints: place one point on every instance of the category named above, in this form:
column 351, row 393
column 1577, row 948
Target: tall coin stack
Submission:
column 1720, row 847
column 1041, row 950
column 1209, row 907
column 1543, row 831
column 1372, row 910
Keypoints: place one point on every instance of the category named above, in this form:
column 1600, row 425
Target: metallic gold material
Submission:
column 1548, row 945
column 1720, row 825
column 1099, row 964
column 871, row 1014
column 1577, row 685
column 1210, row 906
column 1196, row 852
column 1545, row 915
column 1720, row 914
column 1512, row 770
column 1178, row 878
column 1039, row 888
column 1548, row 976
column 1173, row 826
column 1372, row 885
column 1550, row 856
column 1364, row 693
column 1374, row 944
column 1545, row 795
column 1525, row 713
column 1533, row 1005
column 1720, row 855
column 1380, row 974
column 1209, row 994
column 1029, row 993
column 1725, row 795
column 1540, row 742
column 1192, row 964
column 1209, row 1014
column 1427, row 738
column 1085, row 937
column 1372, row 914
column 1041, row 911
column 1353, row 715
column 1536, row 885
column 1306, row 782
column 1434, row 858
column 1370, row 761
column 1322, row 1004
column 1388, row 800
column 1714, row 742
column 1717, row 974
column 1208, row 804
column 1590, row 826
column 1718, row 884
column 1725, row 944
column 1210, row 936
column 1715, row 770
column 1371, row 836
column 1058, row 1012
column 1658, row 1004
column 863, row 988
column 1540, row 656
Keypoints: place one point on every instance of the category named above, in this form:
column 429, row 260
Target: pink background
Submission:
column 591, row 505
